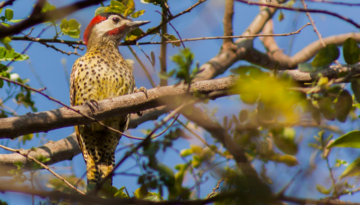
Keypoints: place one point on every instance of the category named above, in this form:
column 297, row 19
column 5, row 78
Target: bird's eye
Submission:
column 116, row 20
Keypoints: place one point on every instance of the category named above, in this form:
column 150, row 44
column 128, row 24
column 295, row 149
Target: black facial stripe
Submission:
column 112, row 13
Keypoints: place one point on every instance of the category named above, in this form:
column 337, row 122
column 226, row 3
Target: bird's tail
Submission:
column 98, row 170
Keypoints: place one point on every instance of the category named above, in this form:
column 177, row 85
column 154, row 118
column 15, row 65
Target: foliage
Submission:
column 268, row 127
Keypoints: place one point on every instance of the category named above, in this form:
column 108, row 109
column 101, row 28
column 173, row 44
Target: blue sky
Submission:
column 205, row 20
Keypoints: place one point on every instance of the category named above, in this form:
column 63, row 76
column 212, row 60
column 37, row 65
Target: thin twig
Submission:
column 216, row 188
column 143, row 67
column 159, row 42
column 43, row 166
column 316, row 30
column 302, row 10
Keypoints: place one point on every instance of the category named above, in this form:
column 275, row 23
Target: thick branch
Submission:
column 228, row 18
column 63, row 117
column 38, row 18
column 276, row 59
column 67, row 148
column 221, row 62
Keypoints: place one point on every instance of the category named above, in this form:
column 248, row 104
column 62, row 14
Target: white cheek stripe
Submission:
column 106, row 26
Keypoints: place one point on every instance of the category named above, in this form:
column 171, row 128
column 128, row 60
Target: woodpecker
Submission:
column 102, row 73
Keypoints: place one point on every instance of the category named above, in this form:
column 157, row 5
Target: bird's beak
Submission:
column 135, row 24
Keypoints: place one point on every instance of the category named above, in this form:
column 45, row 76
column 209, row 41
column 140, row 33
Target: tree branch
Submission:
column 227, row 21
column 276, row 59
column 63, row 117
column 67, row 148
column 226, row 57
column 271, row 5
column 37, row 18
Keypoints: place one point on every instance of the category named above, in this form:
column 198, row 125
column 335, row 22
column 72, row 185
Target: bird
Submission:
column 99, row 74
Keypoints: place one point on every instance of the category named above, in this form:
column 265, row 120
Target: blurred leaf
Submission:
column 243, row 115
column 323, row 190
column 196, row 161
column 99, row 10
column 186, row 152
column 152, row 58
column 196, row 149
column 11, row 55
column 47, row 7
column 134, row 34
column 343, row 105
column 352, row 170
column 171, row 37
column 70, row 28
column 355, row 87
column 9, row 14
column 308, row 67
column 6, row 41
column 281, row 16
column 167, row 174
column 351, row 51
column 120, row 193
column 27, row 137
column 137, row 14
column 323, row 81
column 286, row 159
column 326, row 108
column 141, row 192
column 285, row 141
column 350, row 139
column 326, row 56
column 73, row 24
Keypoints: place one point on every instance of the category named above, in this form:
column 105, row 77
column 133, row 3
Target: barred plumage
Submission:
column 101, row 73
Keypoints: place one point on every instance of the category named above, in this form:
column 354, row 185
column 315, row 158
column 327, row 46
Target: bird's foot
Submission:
column 141, row 89
column 137, row 90
column 93, row 105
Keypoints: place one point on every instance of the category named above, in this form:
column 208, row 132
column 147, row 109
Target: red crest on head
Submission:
column 97, row 19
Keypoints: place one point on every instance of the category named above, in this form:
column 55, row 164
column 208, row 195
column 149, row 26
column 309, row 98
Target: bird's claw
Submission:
column 137, row 90
column 141, row 89
column 93, row 105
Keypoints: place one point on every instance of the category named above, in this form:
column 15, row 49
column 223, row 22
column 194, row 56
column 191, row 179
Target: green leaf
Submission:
column 286, row 159
column 326, row 56
column 120, row 193
column 167, row 173
column 73, row 24
column 343, row 105
column 137, row 14
column 152, row 58
column 186, row 152
column 27, row 137
column 16, row 20
column 196, row 161
column 11, row 55
column 352, row 170
column 99, row 10
column 323, row 190
column 9, row 14
column 196, row 149
column 308, row 67
column 1, row 83
column 351, row 51
column 281, row 16
column 6, row 41
column 141, row 192
column 350, row 139
column 172, row 38
column 285, row 141
column 64, row 24
column 355, row 87
column 326, row 108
